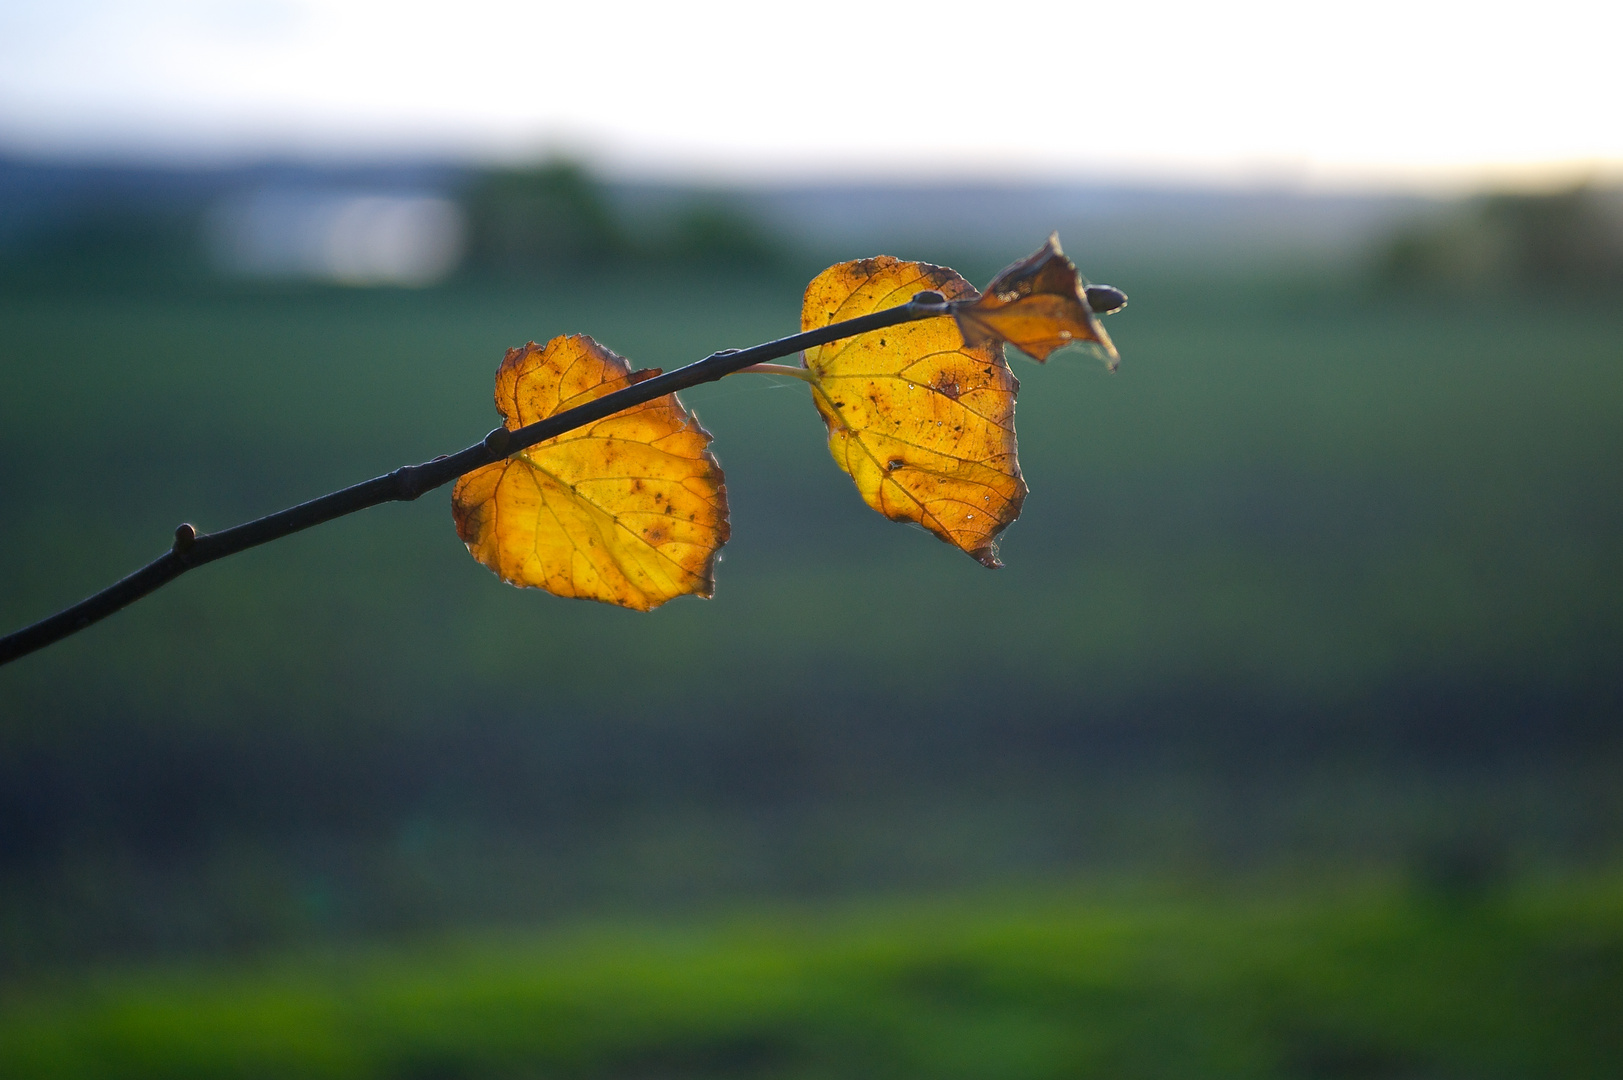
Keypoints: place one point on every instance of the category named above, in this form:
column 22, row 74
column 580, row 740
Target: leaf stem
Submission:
column 191, row 549
column 776, row 369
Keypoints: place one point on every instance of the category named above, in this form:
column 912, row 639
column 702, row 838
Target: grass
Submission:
column 1370, row 980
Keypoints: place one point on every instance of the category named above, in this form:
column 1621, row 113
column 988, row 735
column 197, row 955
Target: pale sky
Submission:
column 1325, row 94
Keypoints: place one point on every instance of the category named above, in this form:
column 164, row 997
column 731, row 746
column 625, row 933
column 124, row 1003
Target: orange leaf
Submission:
column 629, row 510
column 1037, row 305
column 923, row 423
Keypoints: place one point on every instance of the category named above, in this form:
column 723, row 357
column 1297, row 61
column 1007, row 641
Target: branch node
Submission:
column 185, row 537
column 929, row 297
column 497, row 441
column 407, row 484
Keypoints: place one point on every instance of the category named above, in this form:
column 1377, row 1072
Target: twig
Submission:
column 191, row 549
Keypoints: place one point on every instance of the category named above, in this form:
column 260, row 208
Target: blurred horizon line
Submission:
column 1265, row 175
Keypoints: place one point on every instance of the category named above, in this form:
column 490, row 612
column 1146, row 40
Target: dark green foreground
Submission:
column 1368, row 981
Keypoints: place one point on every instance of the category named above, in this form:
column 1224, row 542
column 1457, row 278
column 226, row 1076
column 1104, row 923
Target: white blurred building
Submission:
column 346, row 237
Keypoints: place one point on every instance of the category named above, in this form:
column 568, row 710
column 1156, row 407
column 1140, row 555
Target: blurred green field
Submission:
column 1321, row 585
column 1365, row 980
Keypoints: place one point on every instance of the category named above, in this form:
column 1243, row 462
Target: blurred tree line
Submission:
column 556, row 215
column 66, row 227
column 1568, row 239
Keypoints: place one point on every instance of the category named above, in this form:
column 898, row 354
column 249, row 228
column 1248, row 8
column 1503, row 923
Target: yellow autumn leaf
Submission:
column 1039, row 304
column 629, row 510
column 923, row 423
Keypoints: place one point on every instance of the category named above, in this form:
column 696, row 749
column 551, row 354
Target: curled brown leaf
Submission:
column 1038, row 305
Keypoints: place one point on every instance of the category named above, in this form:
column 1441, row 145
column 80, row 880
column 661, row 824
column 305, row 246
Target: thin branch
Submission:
column 191, row 549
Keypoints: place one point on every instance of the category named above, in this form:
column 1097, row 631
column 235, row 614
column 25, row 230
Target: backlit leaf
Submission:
column 1037, row 305
column 629, row 510
column 923, row 423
